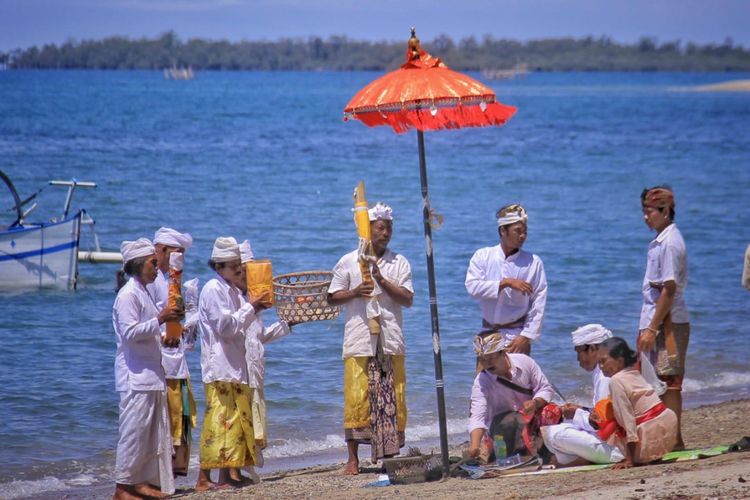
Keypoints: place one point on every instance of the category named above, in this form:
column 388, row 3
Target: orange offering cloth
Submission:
column 176, row 265
column 259, row 279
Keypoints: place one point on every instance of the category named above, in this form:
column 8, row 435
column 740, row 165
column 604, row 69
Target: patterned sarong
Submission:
column 375, row 403
column 228, row 438
column 182, row 419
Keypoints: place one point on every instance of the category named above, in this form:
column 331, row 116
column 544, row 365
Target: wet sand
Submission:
column 724, row 476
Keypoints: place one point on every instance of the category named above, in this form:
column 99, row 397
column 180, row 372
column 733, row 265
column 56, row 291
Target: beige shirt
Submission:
column 746, row 269
column 357, row 339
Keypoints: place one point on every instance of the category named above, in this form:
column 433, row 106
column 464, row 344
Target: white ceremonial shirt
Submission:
column 223, row 317
column 666, row 260
column 489, row 397
column 173, row 358
column 138, row 336
column 357, row 338
column 257, row 335
column 487, row 268
column 601, row 391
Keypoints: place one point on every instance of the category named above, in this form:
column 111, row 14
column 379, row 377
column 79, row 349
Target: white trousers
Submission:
column 569, row 442
column 144, row 450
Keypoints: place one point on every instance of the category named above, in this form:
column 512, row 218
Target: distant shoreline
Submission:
column 340, row 53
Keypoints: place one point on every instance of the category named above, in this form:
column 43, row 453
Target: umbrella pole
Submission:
column 439, row 384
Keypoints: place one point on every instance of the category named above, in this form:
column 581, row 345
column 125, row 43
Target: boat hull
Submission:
column 40, row 255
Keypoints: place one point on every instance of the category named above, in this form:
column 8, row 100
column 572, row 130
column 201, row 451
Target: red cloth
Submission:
column 607, row 428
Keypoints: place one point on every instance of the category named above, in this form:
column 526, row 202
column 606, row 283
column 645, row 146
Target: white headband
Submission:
column 171, row 238
column 133, row 249
column 225, row 249
column 380, row 211
column 518, row 215
column 591, row 334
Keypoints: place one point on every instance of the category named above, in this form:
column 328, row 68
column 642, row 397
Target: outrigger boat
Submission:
column 46, row 254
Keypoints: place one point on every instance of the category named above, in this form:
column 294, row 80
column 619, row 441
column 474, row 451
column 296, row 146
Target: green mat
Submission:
column 680, row 456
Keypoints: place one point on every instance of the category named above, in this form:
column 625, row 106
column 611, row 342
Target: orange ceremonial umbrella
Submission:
column 425, row 95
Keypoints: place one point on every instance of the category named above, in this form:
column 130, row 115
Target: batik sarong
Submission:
column 375, row 403
column 182, row 419
column 227, row 439
column 144, row 448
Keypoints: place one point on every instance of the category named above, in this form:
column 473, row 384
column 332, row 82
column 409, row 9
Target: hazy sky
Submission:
column 32, row 22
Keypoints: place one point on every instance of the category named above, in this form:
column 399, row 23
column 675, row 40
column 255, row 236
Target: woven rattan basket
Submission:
column 301, row 297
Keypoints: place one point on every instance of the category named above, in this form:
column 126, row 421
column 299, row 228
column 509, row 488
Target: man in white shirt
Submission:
column 374, row 372
column 574, row 441
column 227, row 437
column 509, row 383
column 510, row 283
column 182, row 412
column 144, row 448
column 664, row 328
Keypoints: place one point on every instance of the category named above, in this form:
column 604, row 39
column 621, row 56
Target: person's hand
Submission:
column 529, row 407
column 623, row 464
column 258, row 303
column 516, row 284
column 569, row 410
column 375, row 272
column 519, row 344
column 472, row 452
column 170, row 342
column 646, row 340
column 364, row 289
column 170, row 314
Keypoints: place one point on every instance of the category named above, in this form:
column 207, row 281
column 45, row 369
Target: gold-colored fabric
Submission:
column 259, row 280
column 174, row 402
column 259, row 418
column 228, row 438
column 356, row 399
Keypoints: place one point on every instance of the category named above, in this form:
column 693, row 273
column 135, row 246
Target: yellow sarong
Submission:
column 228, row 438
column 356, row 400
column 259, row 418
column 174, row 401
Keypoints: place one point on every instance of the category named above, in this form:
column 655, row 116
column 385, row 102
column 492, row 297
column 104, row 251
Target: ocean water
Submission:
column 267, row 156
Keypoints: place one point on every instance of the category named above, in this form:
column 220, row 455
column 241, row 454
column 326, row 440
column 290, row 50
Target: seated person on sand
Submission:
column 510, row 386
column 641, row 426
column 574, row 441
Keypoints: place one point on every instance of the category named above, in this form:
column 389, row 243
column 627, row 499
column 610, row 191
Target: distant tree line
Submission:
column 342, row 53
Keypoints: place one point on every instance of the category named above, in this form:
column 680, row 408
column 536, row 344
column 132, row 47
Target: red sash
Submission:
column 606, row 429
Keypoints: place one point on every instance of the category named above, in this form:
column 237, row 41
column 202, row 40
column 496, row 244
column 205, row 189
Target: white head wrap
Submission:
column 380, row 211
column 488, row 343
column 246, row 252
column 591, row 334
column 513, row 214
column 139, row 248
column 171, row 238
column 225, row 249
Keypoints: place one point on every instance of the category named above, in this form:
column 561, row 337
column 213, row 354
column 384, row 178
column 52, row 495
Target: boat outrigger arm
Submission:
column 96, row 256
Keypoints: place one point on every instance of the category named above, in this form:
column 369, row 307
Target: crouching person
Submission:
column 643, row 428
column 506, row 394
column 574, row 441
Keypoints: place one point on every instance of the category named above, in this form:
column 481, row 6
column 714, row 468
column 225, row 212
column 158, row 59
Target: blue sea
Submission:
column 268, row 157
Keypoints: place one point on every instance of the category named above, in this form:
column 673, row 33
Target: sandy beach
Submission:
column 724, row 476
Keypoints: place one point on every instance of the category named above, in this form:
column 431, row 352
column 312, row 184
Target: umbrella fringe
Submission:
column 443, row 118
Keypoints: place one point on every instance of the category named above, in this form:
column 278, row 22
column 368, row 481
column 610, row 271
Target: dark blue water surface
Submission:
column 266, row 156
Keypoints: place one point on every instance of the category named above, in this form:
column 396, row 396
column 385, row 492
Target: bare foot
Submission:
column 125, row 492
column 148, row 490
column 204, row 485
column 351, row 469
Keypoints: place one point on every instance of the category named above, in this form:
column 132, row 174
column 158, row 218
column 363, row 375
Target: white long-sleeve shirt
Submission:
column 138, row 336
column 173, row 358
column 666, row 260
column 257, row 335
column 487, row 268
column 357, row 339
column 224, row 318
column 601, row 391
column 489, row 397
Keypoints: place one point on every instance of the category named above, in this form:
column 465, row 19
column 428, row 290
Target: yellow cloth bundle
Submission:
column 259, row 279
column 176, row 264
